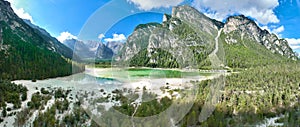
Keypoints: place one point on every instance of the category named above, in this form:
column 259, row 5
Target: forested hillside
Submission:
column 246, row 53
column 251, row 96
column 24, row 60
column 27, row 53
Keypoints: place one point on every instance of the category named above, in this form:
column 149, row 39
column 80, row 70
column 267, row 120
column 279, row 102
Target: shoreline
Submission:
column 89, row 82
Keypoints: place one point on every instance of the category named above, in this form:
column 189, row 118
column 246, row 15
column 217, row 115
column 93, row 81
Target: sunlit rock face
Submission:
column 115, row 46
column 188, row 28
column 247, row 28
column 184, row 29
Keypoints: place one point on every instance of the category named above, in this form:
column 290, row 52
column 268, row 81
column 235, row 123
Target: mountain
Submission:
column 246, row 45
column 54, row 43
column 43, row 31
column 188, row 38
column 246, row 27
column 89, row 50
column 115, row 46
column 80, row 48
column 103, row 52
column 181, row 34
column 37, row 54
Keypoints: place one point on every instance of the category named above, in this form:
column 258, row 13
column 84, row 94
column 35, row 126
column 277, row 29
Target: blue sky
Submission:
column 116, row 19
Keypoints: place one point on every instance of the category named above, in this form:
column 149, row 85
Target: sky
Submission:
column 109, row 20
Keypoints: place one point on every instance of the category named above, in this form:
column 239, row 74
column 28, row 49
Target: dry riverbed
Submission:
column 100, row 83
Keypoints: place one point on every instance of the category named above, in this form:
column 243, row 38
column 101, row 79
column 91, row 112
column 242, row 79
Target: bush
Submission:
column 43, row 91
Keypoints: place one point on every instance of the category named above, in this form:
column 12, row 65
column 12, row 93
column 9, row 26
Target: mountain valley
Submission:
column 187, row 71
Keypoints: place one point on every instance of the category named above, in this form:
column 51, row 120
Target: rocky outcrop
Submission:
column 3, row 47
column 247, row 28
column 115, row 46
column 195, row 19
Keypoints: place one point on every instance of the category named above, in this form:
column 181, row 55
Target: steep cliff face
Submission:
column 138, row 40
column 187, row 35
column 196, row 19
column 247, row 28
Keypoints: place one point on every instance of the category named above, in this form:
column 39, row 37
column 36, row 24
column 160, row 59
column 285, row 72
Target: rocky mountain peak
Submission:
column 114, row 46
column 5, row 5
column 6, row 12
column 196, row 19
column 246, row 28
column 179, row 10
column 185, row 28
column 241, row 23
column 188, row 28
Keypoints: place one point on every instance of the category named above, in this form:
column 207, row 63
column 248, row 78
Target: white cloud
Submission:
column 151, row 4
column 295, row 47
column 20, row 11
column 294, row 43
column 261, row 10
column 64, row 36
column 116, row 38
column 101, row 36
column 22, row 14
column 278, row 30
column 11, row 1
column 265, row 28
column 274, row 29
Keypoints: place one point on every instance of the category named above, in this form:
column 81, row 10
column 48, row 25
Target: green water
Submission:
column 162, row 73
column 125, row 73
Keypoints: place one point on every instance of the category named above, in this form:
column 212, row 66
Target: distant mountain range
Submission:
column 188, row 35
column 93, row 50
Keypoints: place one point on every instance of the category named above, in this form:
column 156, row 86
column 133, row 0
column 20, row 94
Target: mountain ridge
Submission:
column 188, row 28
column 93, row 50
column 245, row 25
